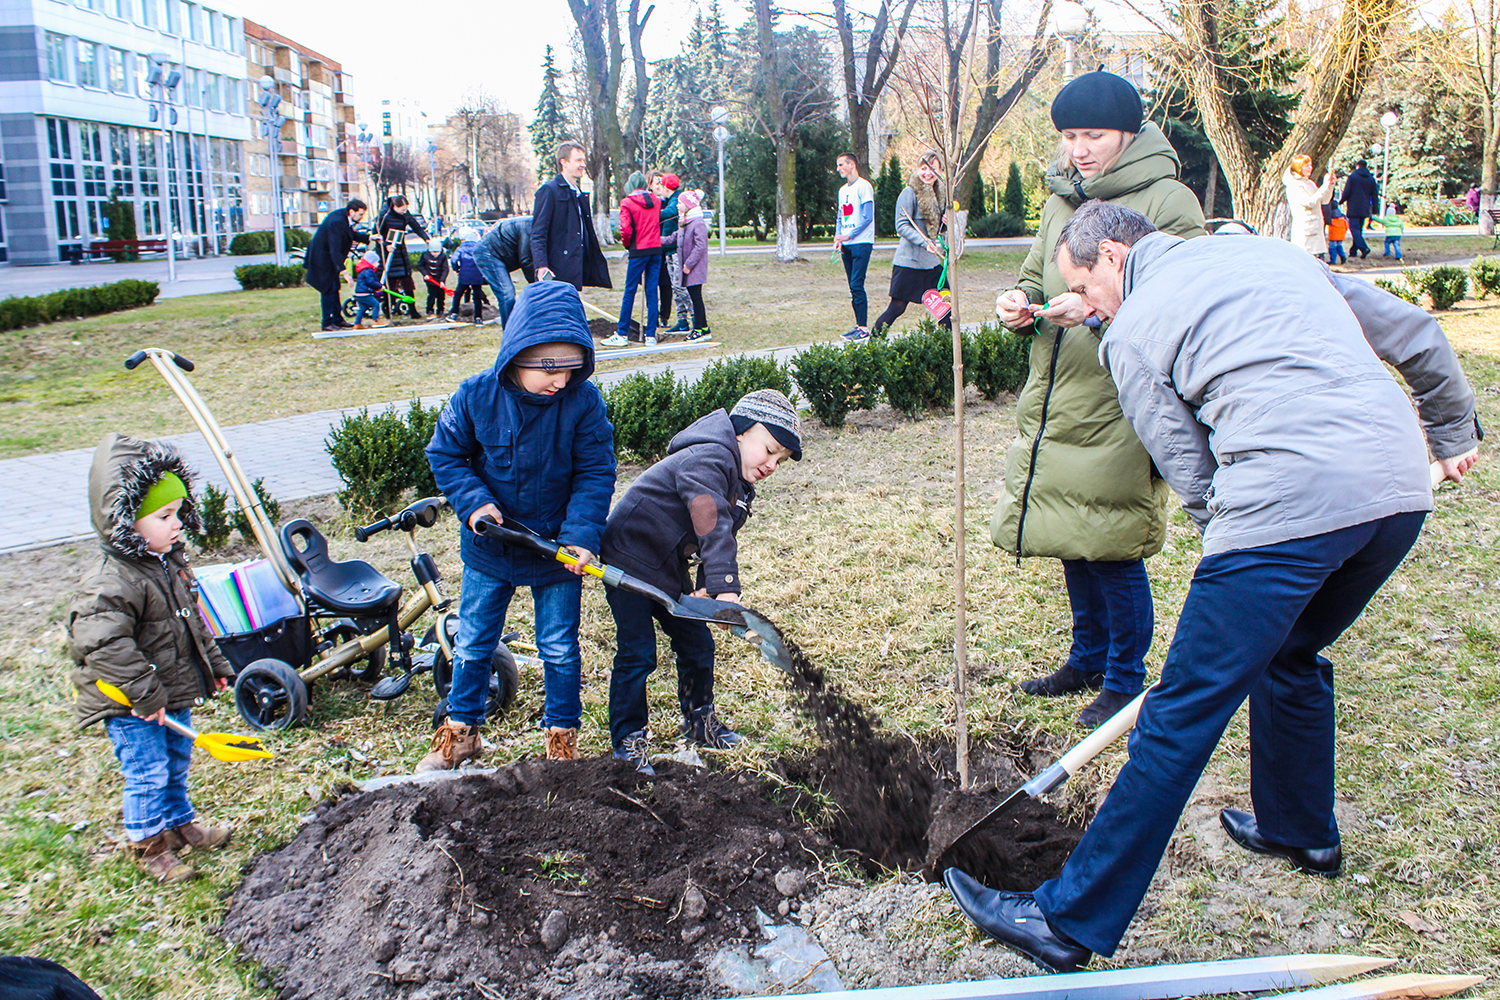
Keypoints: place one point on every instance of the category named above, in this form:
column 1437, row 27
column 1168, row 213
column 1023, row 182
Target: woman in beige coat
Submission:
column 1306, row 200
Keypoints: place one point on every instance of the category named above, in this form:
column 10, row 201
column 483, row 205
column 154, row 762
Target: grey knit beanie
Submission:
column 773, row 410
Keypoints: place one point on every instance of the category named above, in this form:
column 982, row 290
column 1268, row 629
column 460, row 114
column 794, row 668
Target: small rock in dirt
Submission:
column 694, row 906
column 693, row 933
column 790, row 881
column 776, row 839
column 406, row 970
column 480, row 919
column 300, row 922
column 384, row 948
column 451, row 924
column 784, row 907
column 554, row 930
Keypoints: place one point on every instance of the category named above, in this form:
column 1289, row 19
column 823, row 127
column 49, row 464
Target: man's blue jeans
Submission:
column 1253, row 626
column 856, row 263
column 1112, row 620
column 635, row 660
column 497, row 277
column 154, row 760
column 636, row 269
column 481, row 622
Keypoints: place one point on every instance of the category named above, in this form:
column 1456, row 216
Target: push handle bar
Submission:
column 421, row 514
column 177, row 359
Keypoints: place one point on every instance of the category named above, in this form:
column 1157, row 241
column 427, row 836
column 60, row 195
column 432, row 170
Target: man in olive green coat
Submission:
column 1078, row 485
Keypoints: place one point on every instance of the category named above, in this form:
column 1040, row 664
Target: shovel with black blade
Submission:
column 743, row 622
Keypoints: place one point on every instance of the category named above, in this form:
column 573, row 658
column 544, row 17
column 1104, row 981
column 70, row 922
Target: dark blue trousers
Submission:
column 1253, row 626
column 1112, row 620
column 856, row 263
column 636, row 618
column 1357, row 230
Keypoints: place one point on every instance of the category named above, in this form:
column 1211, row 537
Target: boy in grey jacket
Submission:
column 1253, row 377
column 675, row 529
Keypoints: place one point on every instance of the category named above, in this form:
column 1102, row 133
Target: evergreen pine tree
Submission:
column 1015, row 194
column 977, row 197
column 550, row 126
column 887, row 189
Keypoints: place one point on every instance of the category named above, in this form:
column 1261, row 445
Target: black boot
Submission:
column 705, row 728
column 1106, row 704
column 1063, row 680
column 1242, row 828
column 1014, row 919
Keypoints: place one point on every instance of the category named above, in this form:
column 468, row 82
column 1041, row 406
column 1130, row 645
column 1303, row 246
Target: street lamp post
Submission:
column 270, row 126
column 720, row 115
column 1072, row 24
column 432, row 179
column 366, row 157
column 163, row 116
column 1387, row 121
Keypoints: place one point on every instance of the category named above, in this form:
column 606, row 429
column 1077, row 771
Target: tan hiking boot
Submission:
column 452, row 744
column 155, row 857
column 195, row 836
column 562, row 744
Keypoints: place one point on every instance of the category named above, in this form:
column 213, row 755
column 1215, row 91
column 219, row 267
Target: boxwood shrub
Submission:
column 70, row 303
column 253, row 276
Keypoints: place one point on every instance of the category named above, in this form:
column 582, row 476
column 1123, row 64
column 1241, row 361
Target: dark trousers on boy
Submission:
column 636, row 618
column 1253, row 626
column 1336, row 254
column 856, row 263
column 469, row 293
column 437, row 297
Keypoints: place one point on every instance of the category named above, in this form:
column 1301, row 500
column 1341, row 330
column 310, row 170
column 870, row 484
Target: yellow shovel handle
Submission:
column 569, row 559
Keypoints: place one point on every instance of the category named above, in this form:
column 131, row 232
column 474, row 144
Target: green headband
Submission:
column 162, row 492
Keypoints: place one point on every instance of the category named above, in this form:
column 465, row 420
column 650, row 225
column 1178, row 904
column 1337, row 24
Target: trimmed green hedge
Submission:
column 72, row 303
column 264, row 241
column 253, row 276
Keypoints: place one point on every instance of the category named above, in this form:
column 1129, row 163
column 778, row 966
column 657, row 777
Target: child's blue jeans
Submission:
column 154, row 760
column 366, row 304
column 481, row 621
column 1393, row 242
column 1336, row 254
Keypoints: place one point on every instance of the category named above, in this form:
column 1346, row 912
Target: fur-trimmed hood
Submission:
column 124, row 469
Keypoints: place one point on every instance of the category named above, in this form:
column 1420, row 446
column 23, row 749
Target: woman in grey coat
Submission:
column 919, row 258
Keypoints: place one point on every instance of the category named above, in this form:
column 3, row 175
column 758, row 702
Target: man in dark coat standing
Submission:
column 563, row 243
column 1361, row 199
column 325, row 258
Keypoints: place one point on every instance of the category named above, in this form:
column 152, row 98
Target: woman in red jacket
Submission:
column 640, row 231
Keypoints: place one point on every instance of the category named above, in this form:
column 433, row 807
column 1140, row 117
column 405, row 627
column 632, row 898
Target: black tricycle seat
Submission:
column 352, row 587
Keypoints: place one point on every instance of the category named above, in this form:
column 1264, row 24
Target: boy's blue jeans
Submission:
column 635, row 660
column 856, row 263
column 366, row 305
column 1393, row 242
column 1113, row 618
column 1336, row 254
column 481, row 621
column 154, row 760
column 637, row 268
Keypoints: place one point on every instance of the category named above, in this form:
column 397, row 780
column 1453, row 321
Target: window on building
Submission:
column 174, row 16
column 213, row 98
column 149, row 15
column 121, row 179
column 121, row 9
column 57, row 57
column 192, row 24
column 91, row 142
column 88, row 64
column 192, row 83
column 145, row 147
column 92, row 5
column 64, row 179
column 119, row 79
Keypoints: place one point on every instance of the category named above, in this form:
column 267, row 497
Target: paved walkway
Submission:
column 48, row 494
column 195, row 276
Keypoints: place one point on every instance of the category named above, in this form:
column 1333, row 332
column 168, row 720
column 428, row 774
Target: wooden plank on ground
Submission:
column 1406, row 986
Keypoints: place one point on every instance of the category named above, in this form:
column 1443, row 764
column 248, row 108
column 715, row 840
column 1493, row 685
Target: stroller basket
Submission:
column 288, row 640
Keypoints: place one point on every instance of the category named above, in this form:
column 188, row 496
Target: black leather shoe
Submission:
column 1014, row 919
column 1063, row 680
column 1241, row 827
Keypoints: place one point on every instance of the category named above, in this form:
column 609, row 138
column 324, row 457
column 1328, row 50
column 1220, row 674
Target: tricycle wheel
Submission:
column 269, row 695
column 505, row 681
column 350, row 307
column 374, row 665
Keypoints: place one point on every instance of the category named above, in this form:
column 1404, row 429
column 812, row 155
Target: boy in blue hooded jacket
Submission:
column 528, row 442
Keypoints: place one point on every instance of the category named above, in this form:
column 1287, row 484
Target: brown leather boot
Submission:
column 452, row 744
column 155, row 857
column 195, row 836
column 562, row 744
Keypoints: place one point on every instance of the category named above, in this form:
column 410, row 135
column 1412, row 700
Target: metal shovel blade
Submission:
column 392, row 687
column 766, row 637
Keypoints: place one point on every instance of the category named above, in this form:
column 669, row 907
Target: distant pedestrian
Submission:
column 504, row 248
column 1338, row 229
column 670, row 284
column 1393, row 227
column 394, row 223
column 1472, row 199
column 854, row 239
column 563, row 242
column 640, row 231
column 920, row 216
column 1306, row 199
column 433, row 265
column 367, row 291
column 1361, row 199
column 326, row 255
column 692, row 251
column 470, row 279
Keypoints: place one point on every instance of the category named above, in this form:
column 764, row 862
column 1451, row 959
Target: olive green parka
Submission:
column 1078, row 484
column 135, row 623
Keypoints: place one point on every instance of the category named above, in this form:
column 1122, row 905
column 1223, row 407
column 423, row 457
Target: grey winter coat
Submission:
column 692, row 240
column 913, row 232
column 135, row 622
column 1253, row 377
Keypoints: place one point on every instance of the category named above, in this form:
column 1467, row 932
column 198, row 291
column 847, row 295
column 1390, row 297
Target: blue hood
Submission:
column 545, row 313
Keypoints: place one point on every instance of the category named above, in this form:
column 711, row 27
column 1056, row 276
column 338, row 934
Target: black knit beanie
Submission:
column 1098, row 100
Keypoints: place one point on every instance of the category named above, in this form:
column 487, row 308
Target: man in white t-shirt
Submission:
column 854, row 238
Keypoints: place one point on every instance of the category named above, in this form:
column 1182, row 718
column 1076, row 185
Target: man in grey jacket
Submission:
column 1253, row 377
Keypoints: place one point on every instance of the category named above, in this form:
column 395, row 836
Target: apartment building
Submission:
column 78, row 124
column 319, row 163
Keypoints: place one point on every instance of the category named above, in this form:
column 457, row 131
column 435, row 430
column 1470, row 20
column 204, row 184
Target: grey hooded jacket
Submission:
column 1253, row 377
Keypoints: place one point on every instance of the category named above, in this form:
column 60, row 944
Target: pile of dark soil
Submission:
column 544, row 879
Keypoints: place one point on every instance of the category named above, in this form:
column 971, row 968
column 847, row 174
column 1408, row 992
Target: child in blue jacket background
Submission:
column 367, row 289
column 526, row 442
column 470, row 278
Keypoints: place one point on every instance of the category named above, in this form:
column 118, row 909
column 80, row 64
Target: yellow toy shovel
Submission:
column 223, row 746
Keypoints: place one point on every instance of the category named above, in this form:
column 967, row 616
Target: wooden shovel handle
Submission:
column 1089, row 747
